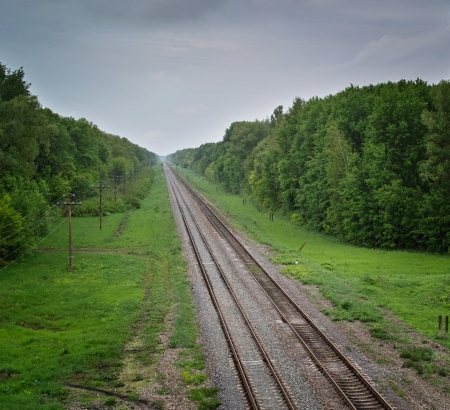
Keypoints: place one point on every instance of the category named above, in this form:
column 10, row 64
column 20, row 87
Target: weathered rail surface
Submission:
column 350, row 383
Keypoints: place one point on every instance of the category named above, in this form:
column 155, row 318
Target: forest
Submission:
column 44, row 156
column 369, row 165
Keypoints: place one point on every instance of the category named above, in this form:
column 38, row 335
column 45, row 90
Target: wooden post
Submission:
column 70, row 202
column 100, row 187
column 446, row 327
column 440, row 326
column 101, row 206
column 69, row 217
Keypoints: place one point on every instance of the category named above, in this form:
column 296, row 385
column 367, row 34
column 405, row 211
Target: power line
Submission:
column 33, row 238
column 31, row 248
column 42, row 216
column 32, row 213
column 51, row 219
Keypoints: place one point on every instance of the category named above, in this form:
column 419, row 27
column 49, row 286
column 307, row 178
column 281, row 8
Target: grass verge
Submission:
column 86, row 327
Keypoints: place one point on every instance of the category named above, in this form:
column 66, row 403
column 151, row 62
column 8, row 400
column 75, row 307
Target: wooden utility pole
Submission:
column 101, row 187
column 70, row 202
column 69, row 216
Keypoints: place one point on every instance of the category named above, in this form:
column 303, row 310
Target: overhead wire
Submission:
column 84, row 194
column 28, row 225
column 35, row 223
column 32, row 247
column 33, row 237
column 51, row 204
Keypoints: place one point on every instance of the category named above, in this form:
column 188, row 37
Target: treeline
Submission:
column 370, row 165
column 44, row 156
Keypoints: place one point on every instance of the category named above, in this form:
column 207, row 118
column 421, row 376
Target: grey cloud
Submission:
column 151, row 11
column 173, row 74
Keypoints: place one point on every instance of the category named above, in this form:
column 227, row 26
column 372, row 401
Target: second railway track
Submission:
column 348, row 381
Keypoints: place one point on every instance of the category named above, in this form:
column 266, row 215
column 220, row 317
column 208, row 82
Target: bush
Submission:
column 133, row 201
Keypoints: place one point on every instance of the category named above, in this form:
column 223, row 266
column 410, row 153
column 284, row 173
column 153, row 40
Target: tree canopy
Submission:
column 370, row 165
column 43, row 156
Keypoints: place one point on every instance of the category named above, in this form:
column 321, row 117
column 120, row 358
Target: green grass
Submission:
column 205, row 396
column 55, row 323
column 415, row 286
column 59, row 326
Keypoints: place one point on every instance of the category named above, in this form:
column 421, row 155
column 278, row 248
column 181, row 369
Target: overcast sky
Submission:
column 174, row 74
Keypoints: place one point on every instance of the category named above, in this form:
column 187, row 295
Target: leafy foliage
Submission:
column 369, row 165
column 44, row 156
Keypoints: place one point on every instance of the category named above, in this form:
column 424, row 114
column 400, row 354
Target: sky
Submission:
column 174, row 74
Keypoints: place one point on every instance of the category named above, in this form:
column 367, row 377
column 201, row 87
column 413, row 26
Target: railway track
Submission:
column 255, row 367
column 349, row 382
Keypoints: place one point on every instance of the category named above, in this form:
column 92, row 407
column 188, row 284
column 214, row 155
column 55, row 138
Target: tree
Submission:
column 13, row 238
column 12, row 83
column 435, row 170
column 21, row 134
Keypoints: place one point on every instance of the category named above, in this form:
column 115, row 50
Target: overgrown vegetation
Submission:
column 206, row 397
column 369, row 165
column 419, row 358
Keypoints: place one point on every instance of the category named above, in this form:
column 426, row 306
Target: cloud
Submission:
column 154, row 134
column 215, row 44
column 177, row 49
column 154, row 11
column 159, row 76
column 190, row 109
column 391, row 49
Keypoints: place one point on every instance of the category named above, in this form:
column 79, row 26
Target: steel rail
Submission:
column 262, row 350
column 381, row 400
column 236, row 359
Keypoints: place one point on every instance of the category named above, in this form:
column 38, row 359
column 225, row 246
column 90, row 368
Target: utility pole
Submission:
column 70, row 202
column 100, row 187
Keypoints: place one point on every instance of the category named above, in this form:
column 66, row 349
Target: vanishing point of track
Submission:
column 354, row 387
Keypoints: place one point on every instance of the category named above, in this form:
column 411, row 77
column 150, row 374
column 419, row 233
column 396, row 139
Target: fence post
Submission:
column 440, row 326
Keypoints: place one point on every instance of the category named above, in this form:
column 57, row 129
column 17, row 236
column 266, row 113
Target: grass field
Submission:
column 61, row 327
column 358, row 281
